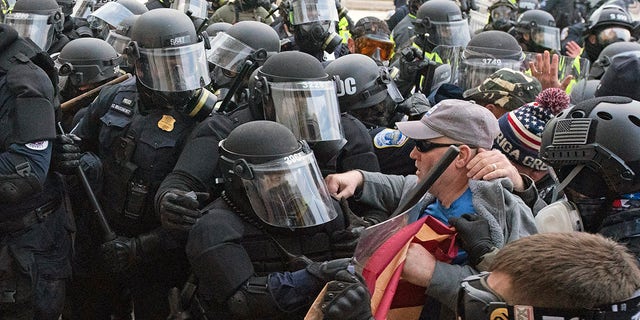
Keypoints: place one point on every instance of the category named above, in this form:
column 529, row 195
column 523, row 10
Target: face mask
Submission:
column 560, row 216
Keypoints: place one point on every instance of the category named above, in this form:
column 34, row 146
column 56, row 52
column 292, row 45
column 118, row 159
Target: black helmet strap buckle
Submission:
column 242, row 169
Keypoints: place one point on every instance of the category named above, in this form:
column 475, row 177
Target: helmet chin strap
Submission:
column 574, row 172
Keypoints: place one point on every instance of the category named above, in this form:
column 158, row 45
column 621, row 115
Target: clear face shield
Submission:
column 309, row 109
column 198, row 8
column 173, row 69
column 228, row 52
column 470, row 66
column 307, row 11
column 613, row 34
column 546, row 37
column 82, row 9
column 117, row 41
column 108, row 16
column 454, row 33
column 37, row 27
column 289, row 192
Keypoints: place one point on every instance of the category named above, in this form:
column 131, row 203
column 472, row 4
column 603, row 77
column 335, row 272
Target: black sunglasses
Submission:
column 426, row 146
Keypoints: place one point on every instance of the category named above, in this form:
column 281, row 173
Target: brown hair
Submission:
column 568, row 270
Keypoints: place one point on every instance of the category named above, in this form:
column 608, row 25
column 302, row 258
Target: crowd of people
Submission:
column 223, row 160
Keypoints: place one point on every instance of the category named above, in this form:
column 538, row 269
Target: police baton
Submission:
column 247, row 67
column 107, row 233
column 70, row 106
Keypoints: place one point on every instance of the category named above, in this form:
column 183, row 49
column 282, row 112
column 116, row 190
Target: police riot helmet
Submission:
column 214, row 28
column 112, row 13
column 88, row 61
column 610, row 23
column 540, row 27
column 486, row 53
column 363, row 84
column 606, row 57
column 594, row 145
column 170, row 61
column 243, row 40
column 302, row 98
column 441, row 23
column 267, row 167
column 38, row 20
column 314, row 24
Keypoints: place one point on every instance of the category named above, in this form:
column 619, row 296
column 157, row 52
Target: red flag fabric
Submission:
column 382, row 270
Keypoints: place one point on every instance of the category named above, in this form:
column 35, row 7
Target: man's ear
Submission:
column 465, row 155
column 351, row 45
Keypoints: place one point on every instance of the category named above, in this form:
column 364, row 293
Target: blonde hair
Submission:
column 568, row 270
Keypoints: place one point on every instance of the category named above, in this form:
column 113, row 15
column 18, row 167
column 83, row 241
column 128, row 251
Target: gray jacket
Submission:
column 509, row 219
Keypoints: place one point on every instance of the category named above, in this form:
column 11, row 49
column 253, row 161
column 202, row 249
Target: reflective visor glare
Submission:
column 290, row 192
column 173, row 69
column 368, row 45
column 117, row 41
column 309, row 109
column 305, row 11
column 611, row 35
column 112, row 13
column 32, row 26
column 474, row 71
column 198, row 8
column 82, row 9
column 227, row 52
column 453, row 33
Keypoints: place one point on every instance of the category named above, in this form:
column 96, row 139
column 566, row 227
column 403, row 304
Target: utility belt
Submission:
column 34, row 216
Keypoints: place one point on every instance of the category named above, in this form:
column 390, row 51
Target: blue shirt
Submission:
column 459, row 207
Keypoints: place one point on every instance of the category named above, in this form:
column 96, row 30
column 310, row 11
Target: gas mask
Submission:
column 477, row 301
column 196, row 104
column 319, row 35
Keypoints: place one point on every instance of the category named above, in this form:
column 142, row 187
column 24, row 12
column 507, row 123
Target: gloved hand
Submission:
column 474, row 236
column 347, row 297
column 344, row 242
column 326, row 271
column 415, row 106
column 411, row 61
column 120, row 254
column 176, row 308
column 66, row 153
column 179, row 209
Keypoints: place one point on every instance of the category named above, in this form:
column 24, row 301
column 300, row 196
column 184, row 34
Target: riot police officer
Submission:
column 35, row 241
column 303, row 98
column 607, row 24
column 84, row 64
column 439, row 22
column 137, row 129
column 110, row 15
column 119, row 38
column 607, row 54
column 252, row 252
column 502, row 16
column 402, row 31
column 598, row 167
column 536, row 31
column 41, row 21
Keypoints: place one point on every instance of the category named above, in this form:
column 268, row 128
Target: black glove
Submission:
column 123, row 253
column 411, row 61
column 179, row 209
column 120, row 254
column 347, row 297
column 474, row 236
column 415, row 106
column 326, row 271
column 66, row 153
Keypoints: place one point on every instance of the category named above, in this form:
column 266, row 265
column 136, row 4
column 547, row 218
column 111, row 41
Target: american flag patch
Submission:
column 572, row 131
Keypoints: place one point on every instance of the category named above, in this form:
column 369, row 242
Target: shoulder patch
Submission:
column 38, row 145
column 389, row 138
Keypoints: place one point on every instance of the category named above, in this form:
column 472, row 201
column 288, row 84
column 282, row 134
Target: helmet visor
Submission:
column 173, row 69
column 111, row 12
column 374, row 45
column 455, row 33
column 305, row 11
column 290, row 192
column 33, row 26
column 117, row 41
column 470, row 66
column 82, row 9
column 228, row 52
column 614, row 34
column 474, row 71
column 198, row 8
column 547, row 37
column 309, row 109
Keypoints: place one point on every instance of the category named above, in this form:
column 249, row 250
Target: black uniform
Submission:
column 35, row 237
column 137, row 151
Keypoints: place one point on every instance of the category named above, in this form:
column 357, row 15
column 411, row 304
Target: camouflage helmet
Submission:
column 506, row 88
